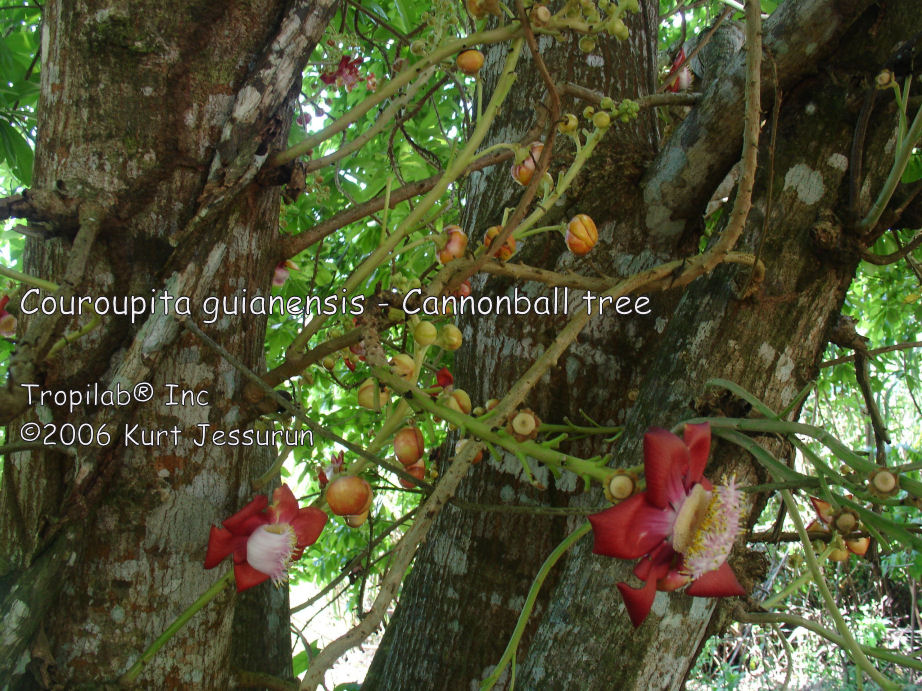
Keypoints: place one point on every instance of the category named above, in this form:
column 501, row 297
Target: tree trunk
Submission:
column 148, row 122
column 471, row 577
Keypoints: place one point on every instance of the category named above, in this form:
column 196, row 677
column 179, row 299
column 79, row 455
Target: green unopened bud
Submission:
column 606, row 103
column 587, row 44
column 618, row 29
column 568, row 124
column 601, row 120
column 588, row 112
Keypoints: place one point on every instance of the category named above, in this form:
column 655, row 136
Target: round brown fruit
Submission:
column 349, row 495
column 417, row 470
column 408, row 445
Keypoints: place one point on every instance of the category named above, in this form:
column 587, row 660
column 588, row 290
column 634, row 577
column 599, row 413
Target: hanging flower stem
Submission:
column 542, row 574
column 128, row 678
column 849, row 644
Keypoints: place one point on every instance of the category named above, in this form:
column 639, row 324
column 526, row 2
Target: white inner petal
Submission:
column 269, row 549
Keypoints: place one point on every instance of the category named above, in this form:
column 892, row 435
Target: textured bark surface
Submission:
column 149, row 110
column 470, row 579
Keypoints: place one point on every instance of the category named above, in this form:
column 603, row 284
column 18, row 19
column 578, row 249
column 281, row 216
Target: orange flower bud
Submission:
column 425, row 333
column 462, row 444
column 455, row 244
column 582, row 234
column 469, row 62
column 459, row 401
column 349, row 495
column 523, row 172
column 858, row 546
column 356, row 521
column 479, row 9
column 366, row 394
column 508, row 248
column 417, row 470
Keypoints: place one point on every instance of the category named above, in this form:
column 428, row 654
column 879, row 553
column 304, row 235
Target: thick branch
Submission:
column 704, row 147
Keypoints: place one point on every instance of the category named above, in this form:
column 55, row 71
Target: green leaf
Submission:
column 913, row 170
column 16, row 152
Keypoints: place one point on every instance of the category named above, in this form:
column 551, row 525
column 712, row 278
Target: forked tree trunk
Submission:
column 470, row 578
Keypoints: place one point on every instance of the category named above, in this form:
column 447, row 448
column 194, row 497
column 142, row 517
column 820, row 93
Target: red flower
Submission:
column 684, row 80
column 346, row 73
column 265, row 539
column 282, row 271
column 681, row 525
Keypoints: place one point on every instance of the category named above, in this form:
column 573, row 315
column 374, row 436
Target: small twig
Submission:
column 347, row 569
column 649, row 101
column 529, row 510
column 893, row 257
column 875, row 351
column 769, row 191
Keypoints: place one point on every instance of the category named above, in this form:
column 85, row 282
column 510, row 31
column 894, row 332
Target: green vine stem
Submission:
column 553, row 558
column 841, row 451
column 27, row 279
column 482, row 430
column 896, row 173
column 788, row 654
column 798, row 582
column 848, row 642
column 129, row 677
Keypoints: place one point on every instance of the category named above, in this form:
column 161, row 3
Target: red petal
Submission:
column 629, row 529
column 242, row 523
column 638, row 601
column 443, row 377
column 284, row 505
column 246, row 576
column 665, row 462
column 221, row 543
column 308, row 525
column 718, row 583
column 657, row 564
column 3, row 302
column 673, row 580
column 698, row 441
column 823, row 509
